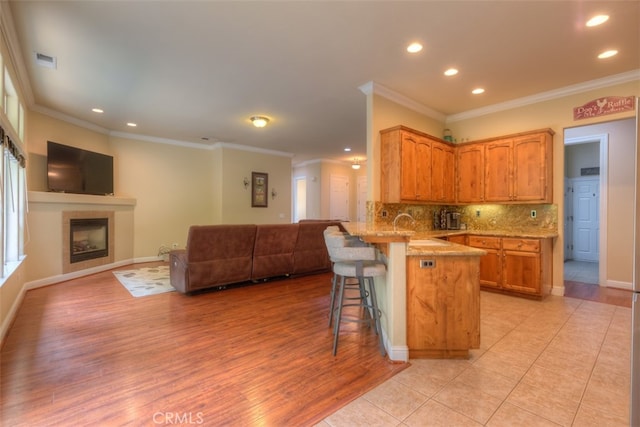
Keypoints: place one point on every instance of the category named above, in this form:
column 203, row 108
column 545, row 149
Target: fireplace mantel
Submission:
column 83, row 199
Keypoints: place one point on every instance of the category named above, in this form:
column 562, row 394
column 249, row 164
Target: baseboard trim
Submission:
column 619, row 285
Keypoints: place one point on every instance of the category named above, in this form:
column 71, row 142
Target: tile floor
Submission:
column 556, row 362
column 581, row 271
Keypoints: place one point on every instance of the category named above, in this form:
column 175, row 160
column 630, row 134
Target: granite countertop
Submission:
column 430, row 244
column 364, row 230
column 436, row 247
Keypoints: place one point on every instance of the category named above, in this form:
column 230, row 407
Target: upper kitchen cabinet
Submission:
column 470, row 173
column 519, row 168
column 415, row 167
column 443, row 172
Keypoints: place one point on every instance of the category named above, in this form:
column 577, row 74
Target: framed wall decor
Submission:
column 259, row 186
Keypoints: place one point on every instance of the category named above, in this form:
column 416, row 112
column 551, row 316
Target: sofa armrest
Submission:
column 178, row 271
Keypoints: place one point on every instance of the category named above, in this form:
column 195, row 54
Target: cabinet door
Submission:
column 521, row 271
column 491, row 263
column 470, row 169
column 461, row 239
column 529, row 168
column 408, row 167
column 422, row 173
column 442, row 172
column 498, row 171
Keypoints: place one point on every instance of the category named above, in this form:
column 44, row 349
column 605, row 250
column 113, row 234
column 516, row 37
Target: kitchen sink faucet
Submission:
column 400, row 215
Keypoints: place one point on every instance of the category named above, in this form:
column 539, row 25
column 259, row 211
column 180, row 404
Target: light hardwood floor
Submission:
column 85, row 352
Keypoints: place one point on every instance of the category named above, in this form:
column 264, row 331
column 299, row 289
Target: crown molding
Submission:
column 241, row 147
column 155, row 139
column 69, row 119
column 378, row 89
column 547, row 96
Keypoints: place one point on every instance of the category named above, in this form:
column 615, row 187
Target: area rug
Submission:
column 145, row 281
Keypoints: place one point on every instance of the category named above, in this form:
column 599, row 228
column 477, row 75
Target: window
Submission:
column 13, row 183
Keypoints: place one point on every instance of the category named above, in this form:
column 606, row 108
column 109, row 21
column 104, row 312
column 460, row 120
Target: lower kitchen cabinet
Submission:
column 443, row 306
column 514, row 265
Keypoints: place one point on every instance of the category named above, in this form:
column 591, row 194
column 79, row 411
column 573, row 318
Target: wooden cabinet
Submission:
column 519, row 169
column 415, row 167
column 514, row 265
column 443, row 172
column 470, row 173
column 443, row 307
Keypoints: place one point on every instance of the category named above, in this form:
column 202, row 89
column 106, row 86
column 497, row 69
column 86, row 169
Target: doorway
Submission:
column 585, row 175
column 339, row 197
column 299, row 198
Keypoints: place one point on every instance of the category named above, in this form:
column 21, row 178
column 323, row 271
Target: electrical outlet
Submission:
column 427, row 263
column 384, row 214
column 174, row 246
column 478, row 213
column 533, row 213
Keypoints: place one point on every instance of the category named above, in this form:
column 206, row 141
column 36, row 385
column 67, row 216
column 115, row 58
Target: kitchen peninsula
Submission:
column 430, row 298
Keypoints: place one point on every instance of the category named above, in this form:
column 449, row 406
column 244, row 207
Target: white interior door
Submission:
column 339, row 199
column 586, row 225
column 362, row 199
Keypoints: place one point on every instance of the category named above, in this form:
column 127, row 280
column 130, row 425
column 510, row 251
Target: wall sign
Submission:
column 603, row 106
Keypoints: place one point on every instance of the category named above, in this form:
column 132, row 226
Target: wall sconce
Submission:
column 259, row 121
column 273, row 193
column 356, row 164
column 246, row 182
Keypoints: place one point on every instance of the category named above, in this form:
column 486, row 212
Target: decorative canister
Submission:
column 447, row 135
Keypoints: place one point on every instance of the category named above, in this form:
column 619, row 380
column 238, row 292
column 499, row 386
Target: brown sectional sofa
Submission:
column 220, row 255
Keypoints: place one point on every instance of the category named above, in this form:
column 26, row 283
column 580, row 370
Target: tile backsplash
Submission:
column 475, row 217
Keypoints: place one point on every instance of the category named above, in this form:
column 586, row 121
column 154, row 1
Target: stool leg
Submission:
column 336, row 325
column 376, row 315
column 334, row 282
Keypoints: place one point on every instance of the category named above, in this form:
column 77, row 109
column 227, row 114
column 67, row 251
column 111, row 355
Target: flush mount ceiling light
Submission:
column 451, row 72
column 259, row 121
column 597, row 20
column 131, row 124
column 97, row 110
column 414, row 47
column 356, row 164
column 477, row 91
column 608, row 54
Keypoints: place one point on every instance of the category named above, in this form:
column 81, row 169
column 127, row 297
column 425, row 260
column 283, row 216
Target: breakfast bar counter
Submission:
column 430, row 297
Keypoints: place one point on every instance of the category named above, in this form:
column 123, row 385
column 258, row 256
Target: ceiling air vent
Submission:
column 46, row 61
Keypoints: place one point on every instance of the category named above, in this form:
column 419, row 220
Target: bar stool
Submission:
column 350, row 241
column 358, row 263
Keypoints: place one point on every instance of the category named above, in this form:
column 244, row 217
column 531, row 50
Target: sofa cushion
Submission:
column 310, row 255
column 219, row 254
column 273, row 250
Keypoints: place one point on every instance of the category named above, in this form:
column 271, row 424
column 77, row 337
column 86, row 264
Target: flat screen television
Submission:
column 74, row 170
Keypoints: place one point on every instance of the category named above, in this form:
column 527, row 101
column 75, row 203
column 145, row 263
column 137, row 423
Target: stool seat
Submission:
column 358, row 262
column 350, row 269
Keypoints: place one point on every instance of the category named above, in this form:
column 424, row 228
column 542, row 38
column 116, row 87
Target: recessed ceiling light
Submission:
column 414, row 47
column 451, row 72
column 597, row 20
column 608, row 54
column 477, row 91
column 131, row 124
column 97, row 110
column 347, row 149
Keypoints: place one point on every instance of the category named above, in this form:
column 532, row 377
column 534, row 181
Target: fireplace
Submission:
column 89, row 238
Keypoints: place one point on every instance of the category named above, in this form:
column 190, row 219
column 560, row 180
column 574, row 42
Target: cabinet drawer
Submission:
column 527, row 245
column 484, row 242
